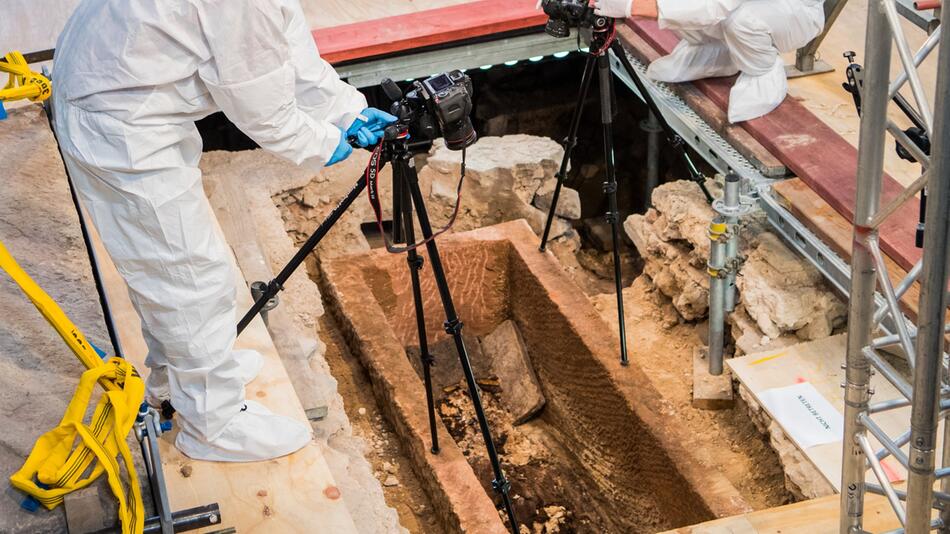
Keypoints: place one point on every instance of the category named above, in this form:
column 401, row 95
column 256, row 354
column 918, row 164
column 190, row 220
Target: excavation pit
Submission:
column 603, row 444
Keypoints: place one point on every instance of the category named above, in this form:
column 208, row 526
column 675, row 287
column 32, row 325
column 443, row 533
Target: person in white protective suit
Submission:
column 725, row 37
column 132, row 77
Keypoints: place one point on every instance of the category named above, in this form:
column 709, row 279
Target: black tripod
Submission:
column 406, row 196
column 602, row 42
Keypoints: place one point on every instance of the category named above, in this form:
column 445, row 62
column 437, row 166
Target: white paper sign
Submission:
column 805, row 414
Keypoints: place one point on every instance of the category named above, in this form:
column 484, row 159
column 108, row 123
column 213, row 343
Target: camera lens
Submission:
column 557, row 28
column 461, row 135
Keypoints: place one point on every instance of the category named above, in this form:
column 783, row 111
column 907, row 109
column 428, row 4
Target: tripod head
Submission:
column 566, row 14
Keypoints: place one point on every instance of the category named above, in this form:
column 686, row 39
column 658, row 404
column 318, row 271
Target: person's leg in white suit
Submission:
column 700, row 54
column 757, row 32
column 143, row 190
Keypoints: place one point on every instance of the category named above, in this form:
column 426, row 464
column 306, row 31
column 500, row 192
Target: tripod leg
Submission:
column 672, row 137
column 415, row 266
column 453, row 326
column 569, row 145
column 610, row 188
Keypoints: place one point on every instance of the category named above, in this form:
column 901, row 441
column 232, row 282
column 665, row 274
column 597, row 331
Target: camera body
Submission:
column 439, row 104
column 566, row 14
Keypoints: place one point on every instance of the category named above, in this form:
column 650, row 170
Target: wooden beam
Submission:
column 811, row 150
column 401, row 33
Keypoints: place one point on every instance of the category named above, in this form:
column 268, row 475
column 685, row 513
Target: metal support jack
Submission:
column 724, row 264
column 806, row 62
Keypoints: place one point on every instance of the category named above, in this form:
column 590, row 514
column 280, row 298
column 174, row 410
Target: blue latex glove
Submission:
column 343, row 150
column 370, row 127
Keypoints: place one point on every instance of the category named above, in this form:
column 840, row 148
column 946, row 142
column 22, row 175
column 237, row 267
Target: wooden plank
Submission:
column 329, row 13
column 811, row 150
column 400, row 33
column 741, row 140
column 817, row 516
column 290, row 494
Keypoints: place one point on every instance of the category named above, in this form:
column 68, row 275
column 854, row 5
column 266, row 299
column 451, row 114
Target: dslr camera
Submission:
column 440, row 104
column 566, row 14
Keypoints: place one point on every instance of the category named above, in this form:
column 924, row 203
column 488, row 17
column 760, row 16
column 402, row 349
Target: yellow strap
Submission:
column 51, row 455
column 51, row 311
column 54, row 461
column 23, row 82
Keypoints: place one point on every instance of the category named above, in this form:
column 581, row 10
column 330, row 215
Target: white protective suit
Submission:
column 132, row 76
column 723, row 37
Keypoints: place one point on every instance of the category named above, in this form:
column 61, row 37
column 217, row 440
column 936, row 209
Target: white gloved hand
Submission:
column 615, row 9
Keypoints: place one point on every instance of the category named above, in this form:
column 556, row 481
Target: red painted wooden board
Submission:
column 812, row 151
column 426, row 28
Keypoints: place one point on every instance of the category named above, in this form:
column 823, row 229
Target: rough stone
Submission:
column 520, row 390
column 503, row 178
column 673, row 266
column 782, row 297
column 446, row 370
column 568, row 204
column 802, row 478
column 783, row 293
column 600, row 233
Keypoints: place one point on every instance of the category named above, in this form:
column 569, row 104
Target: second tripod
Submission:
column 603, row 41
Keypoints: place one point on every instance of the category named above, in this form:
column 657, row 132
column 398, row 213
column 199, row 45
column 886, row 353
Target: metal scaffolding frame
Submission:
column 921, row 345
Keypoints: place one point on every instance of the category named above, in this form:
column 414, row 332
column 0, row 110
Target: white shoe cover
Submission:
column 156, row 384
column 251, row 363
column 755, row 96
column 688, row 62
column 253, row 435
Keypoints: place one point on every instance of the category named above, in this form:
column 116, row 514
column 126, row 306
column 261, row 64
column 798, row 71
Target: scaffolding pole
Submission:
column 921, row 345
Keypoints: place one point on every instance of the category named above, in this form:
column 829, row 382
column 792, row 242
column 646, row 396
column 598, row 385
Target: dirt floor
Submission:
column 547, row 494
column 726, row 440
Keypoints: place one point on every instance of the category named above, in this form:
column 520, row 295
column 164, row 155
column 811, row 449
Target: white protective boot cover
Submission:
column 756, row 33
column 255, row 433
column 754, row 96
column 156, row 384
column 692, row 60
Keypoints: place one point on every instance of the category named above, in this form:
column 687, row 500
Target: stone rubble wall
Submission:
column 782, row 298
column 507, row 178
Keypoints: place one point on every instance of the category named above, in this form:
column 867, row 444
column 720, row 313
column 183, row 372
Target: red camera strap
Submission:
column 371, row 175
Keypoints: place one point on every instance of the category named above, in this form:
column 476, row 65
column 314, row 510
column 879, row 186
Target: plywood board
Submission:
column 819, row 363
column 817, row 516
column 295, row 493
column 401, row 33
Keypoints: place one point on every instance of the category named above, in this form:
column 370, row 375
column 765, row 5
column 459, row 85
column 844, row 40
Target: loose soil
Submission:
column 547, row 494
column 662, row 344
